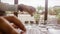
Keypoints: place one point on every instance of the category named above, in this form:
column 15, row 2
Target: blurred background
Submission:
column 52, row 8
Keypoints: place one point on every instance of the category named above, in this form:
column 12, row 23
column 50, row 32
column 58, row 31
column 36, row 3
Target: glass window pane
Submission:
column 8, row 1
column 54, row 11
column 34, row 3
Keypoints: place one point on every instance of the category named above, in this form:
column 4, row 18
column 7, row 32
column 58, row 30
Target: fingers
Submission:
column 16, row 21
column 6, row 27
column 16, row 27
column 19, row 24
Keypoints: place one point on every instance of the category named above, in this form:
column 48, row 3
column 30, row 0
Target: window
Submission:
column 8, row 1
